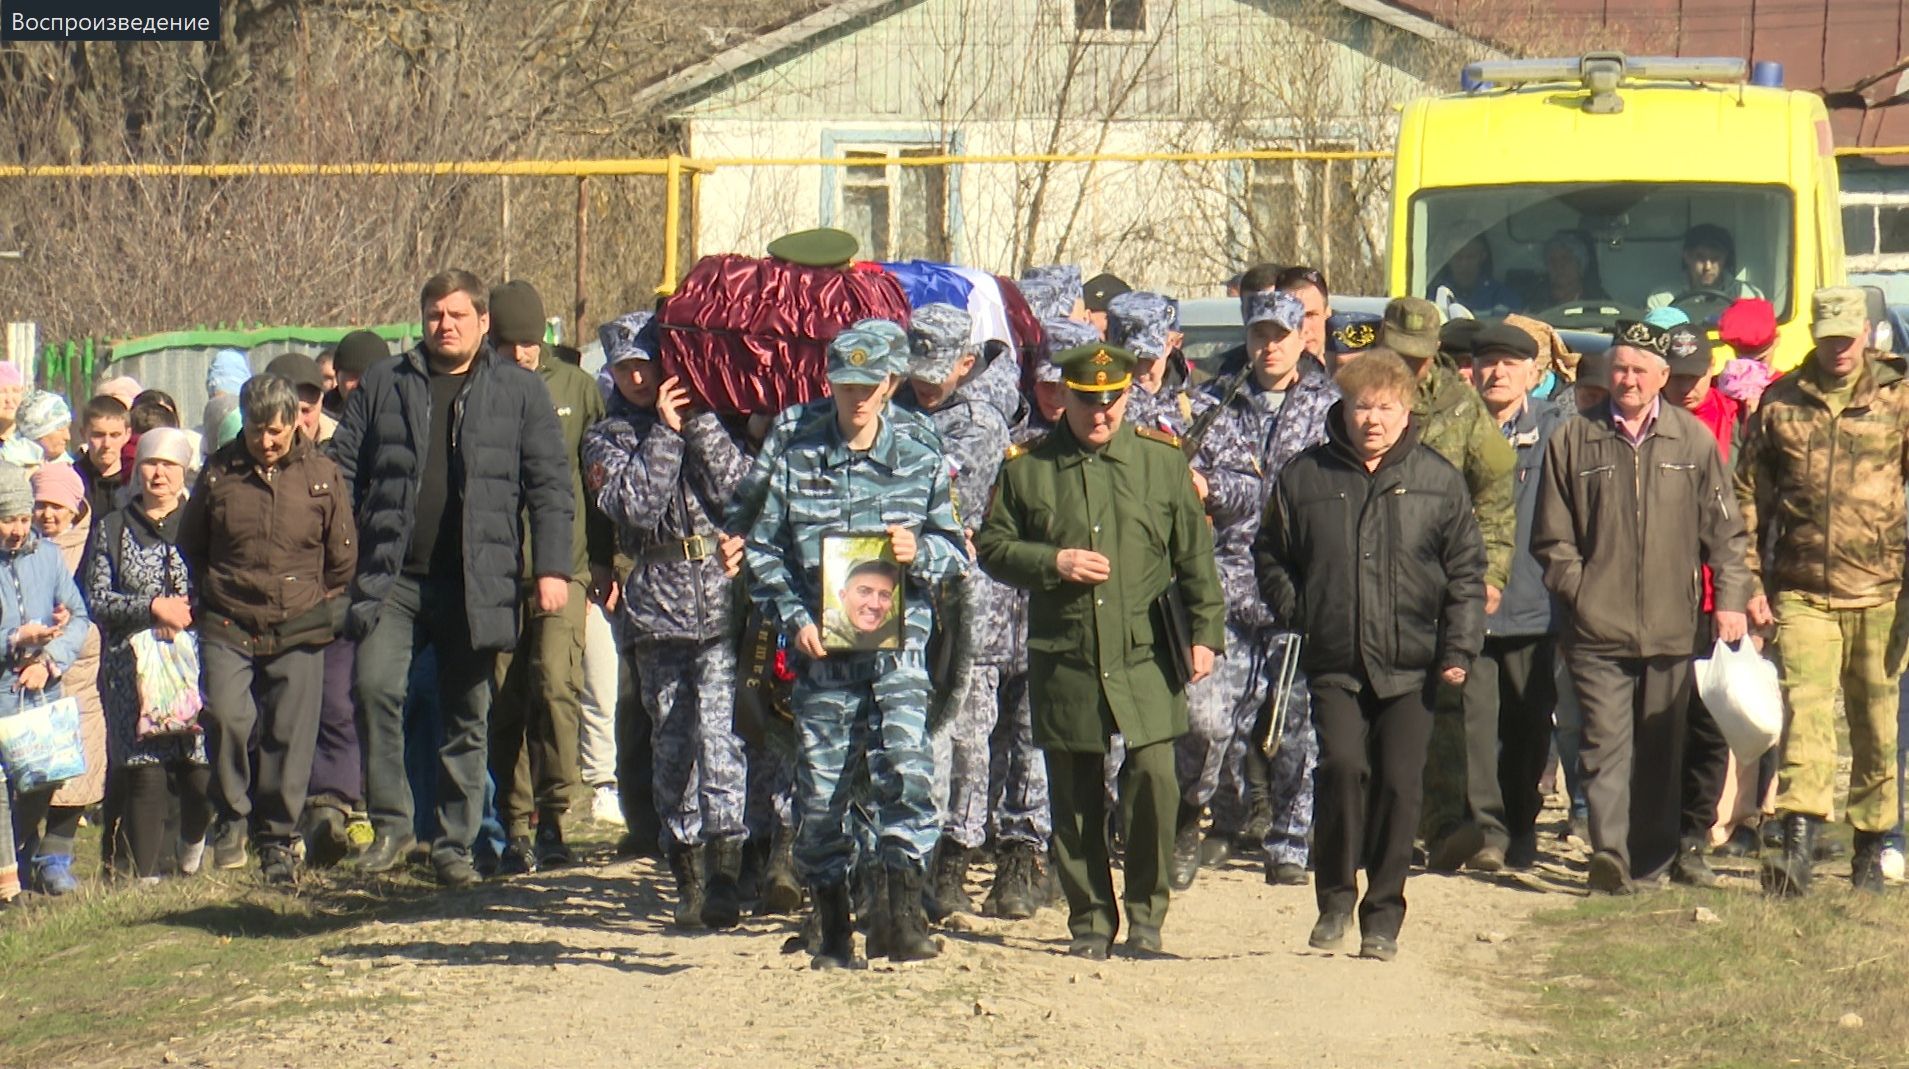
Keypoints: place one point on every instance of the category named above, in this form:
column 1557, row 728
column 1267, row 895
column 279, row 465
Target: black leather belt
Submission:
column 693, row 548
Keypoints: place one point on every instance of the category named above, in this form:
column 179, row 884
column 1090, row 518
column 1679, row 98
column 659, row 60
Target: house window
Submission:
column 1100, row 15
column 1876, row 232
column 896, row 212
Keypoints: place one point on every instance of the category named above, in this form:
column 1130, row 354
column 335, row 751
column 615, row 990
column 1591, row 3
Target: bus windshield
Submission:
column 1583, row 255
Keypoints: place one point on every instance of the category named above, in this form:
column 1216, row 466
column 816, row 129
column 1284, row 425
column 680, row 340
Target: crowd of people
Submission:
column 1348, row 600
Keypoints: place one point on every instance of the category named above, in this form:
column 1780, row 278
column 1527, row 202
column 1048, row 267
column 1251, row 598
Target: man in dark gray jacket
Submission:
column 1634, row 501
column 445, row 449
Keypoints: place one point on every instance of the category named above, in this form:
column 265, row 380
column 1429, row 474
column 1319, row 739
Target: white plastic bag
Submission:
column 1739, row 686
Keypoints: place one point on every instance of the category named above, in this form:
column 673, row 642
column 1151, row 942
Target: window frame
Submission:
column 893, row 143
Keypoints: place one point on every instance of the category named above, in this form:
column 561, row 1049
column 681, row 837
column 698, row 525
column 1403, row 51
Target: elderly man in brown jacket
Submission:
column 1634, row 501
column 1821, row 480
column 269, row 535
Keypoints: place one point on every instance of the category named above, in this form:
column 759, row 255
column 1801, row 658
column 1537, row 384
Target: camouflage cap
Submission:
column 861, row 358
column 1838, row 312
column 1062, row 335
column 891, row 332
column 939, row 336
column 1273, row 306
column 1409, row 328
column 1100, row 372
column 1045, row 298
column 1066, row 280
column 1140, row 321
column 1352, row 332
column 628, row 337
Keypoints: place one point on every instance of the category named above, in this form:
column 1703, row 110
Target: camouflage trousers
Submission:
column 700, row 778
column 961, row 759
column 1822, row 649
column 1289, row 778
column 856, row 716
column 1018, row 771
column 771, row 802
column 1201, row 753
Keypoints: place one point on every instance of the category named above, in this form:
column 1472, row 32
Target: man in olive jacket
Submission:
column 1634, row 502
column 538, row 711
column 1095, row 521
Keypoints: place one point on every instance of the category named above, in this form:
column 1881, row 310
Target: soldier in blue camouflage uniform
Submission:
column 1057, row 292
column 944, row 385
column 1228, row 480
column 663, row 474
column 859, row 474
column 1281, row 396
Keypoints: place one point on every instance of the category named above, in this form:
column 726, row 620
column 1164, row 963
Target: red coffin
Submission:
column 748, row 336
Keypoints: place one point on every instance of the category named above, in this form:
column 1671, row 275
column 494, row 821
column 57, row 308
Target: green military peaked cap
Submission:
column 821, row 247
column 1100, row 372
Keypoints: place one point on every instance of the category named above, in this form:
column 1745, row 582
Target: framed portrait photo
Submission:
column 861, row 594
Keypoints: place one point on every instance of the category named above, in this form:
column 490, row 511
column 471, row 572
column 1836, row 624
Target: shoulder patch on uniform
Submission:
column 1021, row 449
column 1154, row 435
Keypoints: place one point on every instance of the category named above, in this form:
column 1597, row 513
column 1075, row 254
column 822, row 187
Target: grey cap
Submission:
column 1139, row 321
column 1045, row 298
column 1060, row 336
column 893, row 334
column 628, row 337
column 862, row 357
column 1274, row 306
column 939, row 336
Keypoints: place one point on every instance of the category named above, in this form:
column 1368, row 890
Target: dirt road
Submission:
column 579, row 969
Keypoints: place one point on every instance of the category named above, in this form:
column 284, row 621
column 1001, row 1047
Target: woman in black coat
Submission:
column 1369, row 549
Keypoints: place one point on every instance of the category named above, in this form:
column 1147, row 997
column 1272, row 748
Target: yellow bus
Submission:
column 1583, row 191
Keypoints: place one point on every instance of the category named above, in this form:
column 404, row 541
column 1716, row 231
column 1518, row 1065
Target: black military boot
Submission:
column 948, row 892
column 837, row 931
column 722, row 900
column 1186, row 848
column 907, row 922
column 1787, row 875
column 1012, row 897
column 871, row 907
column 689, row 865
column 781, row 894
column 1865, row 868
column 1692, row 867
column 1259, row 802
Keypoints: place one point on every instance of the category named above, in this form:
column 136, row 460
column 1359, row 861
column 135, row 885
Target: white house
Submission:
column 884, row 80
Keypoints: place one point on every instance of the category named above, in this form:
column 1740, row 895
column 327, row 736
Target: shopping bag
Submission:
column 1739, row 686
column 41, row 744
column 168, row 671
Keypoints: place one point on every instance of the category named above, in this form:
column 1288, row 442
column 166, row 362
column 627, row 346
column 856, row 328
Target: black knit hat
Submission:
column 358, row 351
column 517, row 313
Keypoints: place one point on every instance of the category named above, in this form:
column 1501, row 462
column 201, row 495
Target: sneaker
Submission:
column 53, row 875
column 1892, row 867
column 191, row 857
column 552, row 851
column 519, row 859
column 606, row 806
column 228, row 845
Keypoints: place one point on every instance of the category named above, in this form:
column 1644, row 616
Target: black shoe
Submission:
column 781, row 894
column 1692, row 868
column 907, row 920
column 277, row 866
column 1091, row 947
column 1378, row 947
column 1609, row 875
column 519, row 858
column 1143, row 940
column 871, row 908
column 1259, row 820
column 1865, row 868
column 722, row 898
column 1012, row 895
column 1787, row 875
column 386, row 852
column 948, row 891
column 1286, row 874
column 324, row 830
column 228, row 845
column 1742, row 843
column 1329, row 931
column 690, row 867
column 836, row 931
column 1458, row 846
column 1186, row 849
column 1217, row 849
column 456, row 872
column 552, row 851
column 1522, row 852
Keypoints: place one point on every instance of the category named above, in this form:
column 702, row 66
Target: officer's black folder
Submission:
column 1173, row 625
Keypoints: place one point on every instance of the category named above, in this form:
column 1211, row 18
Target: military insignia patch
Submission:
column 595, row 476
column 1101, row 359
column 1358, row 335
column 1414, row 321
column 858, row 357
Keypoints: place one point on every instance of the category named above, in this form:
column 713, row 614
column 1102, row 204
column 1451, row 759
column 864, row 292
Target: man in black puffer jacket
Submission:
column 1369, row 549
column 444, row 448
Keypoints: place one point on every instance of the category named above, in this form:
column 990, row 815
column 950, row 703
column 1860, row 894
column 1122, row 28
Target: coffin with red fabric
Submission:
column 750, row 336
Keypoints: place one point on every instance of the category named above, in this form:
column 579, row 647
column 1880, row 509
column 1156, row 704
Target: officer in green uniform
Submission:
column 1095, row 520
